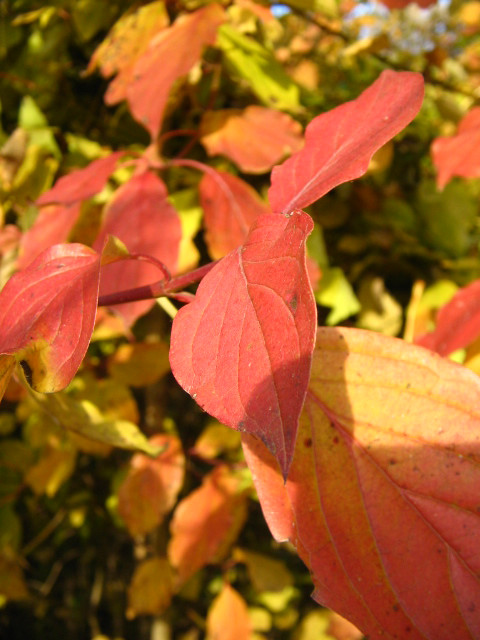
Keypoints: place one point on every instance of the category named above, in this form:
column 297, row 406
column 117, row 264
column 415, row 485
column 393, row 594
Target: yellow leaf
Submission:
column 150, row 590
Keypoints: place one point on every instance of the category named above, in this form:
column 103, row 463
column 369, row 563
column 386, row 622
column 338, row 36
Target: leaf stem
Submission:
column 157, row 289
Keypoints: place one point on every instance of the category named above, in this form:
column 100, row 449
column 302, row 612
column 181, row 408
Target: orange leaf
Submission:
column 459, row 155
column 151, row 486
column 150, row 590
column 207, row 522
column 383, row 493
column 255, row 138
column 125, row 43
column 230, row 206
column 47, row 313
column 227, row 617
column 170, row 55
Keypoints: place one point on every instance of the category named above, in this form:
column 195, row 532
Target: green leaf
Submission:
column 447, row 216
column 336, row 292
column 254, row 64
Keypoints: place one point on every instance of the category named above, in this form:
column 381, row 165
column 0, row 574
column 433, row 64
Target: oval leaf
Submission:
column 228, row 617
column 151, row 486
column 340, row 143
column 207, row 522
column 243, row 348
column 230, row 207
column 383, row 500
column 255, row 138
column 140, row 216
column 47, row 313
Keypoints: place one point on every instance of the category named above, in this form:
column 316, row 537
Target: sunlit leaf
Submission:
column 382, row 498
column 169, row 56
column 242, row 349
column 340, row 143
column 139, row 364
column 228, row 616
column 255, row 138
column 47, row 313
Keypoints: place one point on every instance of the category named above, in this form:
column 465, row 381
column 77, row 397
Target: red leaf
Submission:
column 81, row 184
column 382, row 499
column 459, row 155
column 340, row 143
column 171, row 55
column 52, row 226
column 47, row 313
column 140, row 215
column 207, row 522
column 124, row 44
column 255, row 138
column 243, row 348
column 230, row 206
column 458, row 322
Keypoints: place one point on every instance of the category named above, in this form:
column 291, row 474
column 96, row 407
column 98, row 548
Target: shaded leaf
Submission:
column 459, row 155
column 151, row 588
column 151, row 485
column 12, row 581
column 47, row 313
column 139, row 364
column 215, row 440
column 124, row 44
column 230, row 207
column 265, row 573
column 227, row 617
column 458, row 322
column 169, row 56
column 7, row 365
column 55, row 466
column 382, row 498
column 52, row 226
column 340, row 143
column 207, row 522
column 81, row 184
column 243, row 348
column 139, row 215
column 255, row 138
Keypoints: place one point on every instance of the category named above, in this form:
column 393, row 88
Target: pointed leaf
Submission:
column 81, row 184
column 228, row 617
column 124, row 44
column 170, row 55
column 458, row 322
column 383, row 500
column 255, row 138
column 47, row 313
column 459, row 155
column 140, row 215
column 207, row 522
column 230, row 207
column 243, row 348
column 340, row 143
column 151, row 486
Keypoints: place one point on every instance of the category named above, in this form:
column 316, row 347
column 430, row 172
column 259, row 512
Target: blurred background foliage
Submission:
column 83, row 541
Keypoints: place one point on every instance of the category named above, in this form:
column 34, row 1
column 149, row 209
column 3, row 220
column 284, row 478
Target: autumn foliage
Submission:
column 212, row 237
